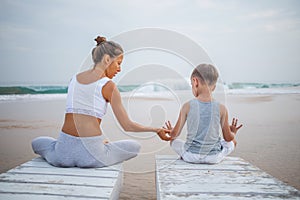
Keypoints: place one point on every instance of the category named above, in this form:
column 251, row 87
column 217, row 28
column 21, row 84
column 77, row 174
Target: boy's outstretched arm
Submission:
column 229, row 131
column 175, row 132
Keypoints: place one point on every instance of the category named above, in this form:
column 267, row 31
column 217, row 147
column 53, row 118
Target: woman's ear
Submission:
column 106, row 59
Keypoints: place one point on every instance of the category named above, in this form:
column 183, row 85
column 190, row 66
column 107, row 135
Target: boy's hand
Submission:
column 233, row 127
column 169, row 125
column 163, row 134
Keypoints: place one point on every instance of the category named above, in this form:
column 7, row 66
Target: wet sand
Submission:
column 269, row 139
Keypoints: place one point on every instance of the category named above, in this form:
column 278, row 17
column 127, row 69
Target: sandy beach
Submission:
column 269, row 139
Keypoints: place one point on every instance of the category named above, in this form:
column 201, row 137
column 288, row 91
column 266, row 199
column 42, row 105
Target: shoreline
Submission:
column 268, row 140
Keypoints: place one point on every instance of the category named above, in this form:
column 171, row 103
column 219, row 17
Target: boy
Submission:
column 205, row 117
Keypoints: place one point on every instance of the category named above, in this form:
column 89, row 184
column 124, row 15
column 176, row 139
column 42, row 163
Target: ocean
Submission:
column 23, row 93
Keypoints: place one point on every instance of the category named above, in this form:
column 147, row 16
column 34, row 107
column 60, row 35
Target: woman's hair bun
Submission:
column 100, row 40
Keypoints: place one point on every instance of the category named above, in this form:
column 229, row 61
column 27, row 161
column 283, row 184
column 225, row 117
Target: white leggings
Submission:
column 70, row 151
column 178, row 146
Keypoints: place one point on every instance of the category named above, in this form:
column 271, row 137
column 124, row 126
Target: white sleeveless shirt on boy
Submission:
column 203, row 128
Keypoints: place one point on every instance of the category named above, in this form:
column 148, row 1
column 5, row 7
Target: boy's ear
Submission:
column 213, row 87
column 196, row 81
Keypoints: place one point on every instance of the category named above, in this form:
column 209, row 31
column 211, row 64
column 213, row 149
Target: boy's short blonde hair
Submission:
column 206, row 73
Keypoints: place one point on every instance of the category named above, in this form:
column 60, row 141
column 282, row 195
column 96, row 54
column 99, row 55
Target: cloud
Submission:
column 283, row 25
column 215, row 5
column 265, row 14
column 57, row 30
column 9, row 31
column 271, row 20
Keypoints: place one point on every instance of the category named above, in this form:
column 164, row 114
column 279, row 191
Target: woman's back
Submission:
column 85, row 105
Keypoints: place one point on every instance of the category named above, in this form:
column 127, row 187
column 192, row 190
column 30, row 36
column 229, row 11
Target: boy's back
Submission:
column 205, row 117
column 203, row 128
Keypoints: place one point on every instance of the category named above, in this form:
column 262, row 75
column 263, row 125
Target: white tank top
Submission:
column 86, row 99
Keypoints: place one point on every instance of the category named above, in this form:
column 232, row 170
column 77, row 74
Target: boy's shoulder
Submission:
column 222, row 106
column 223, row 109
column 185, row 107
column 186, row 104
column 194, row 101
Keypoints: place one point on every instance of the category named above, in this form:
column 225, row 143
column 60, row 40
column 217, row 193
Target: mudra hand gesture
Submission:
column 233, row 127
column 164, row 134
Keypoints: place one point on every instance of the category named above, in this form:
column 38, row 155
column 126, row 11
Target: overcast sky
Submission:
column 46, row 41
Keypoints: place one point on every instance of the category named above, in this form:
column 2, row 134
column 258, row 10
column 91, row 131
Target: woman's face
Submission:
column 114, row 67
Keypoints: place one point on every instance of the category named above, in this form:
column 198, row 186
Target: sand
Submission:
column 269, row 139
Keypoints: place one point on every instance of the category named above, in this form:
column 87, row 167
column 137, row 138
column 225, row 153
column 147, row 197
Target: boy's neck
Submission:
column 205, row 97
column 203, row 92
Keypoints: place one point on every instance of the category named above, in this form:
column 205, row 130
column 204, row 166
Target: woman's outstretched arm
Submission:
column 112, row 94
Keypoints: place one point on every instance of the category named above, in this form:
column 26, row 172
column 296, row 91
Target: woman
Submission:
column 81, row 142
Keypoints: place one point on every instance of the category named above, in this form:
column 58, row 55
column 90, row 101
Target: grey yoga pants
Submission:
column 70, row 151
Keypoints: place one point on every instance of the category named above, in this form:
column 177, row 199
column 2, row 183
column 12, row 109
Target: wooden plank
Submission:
column 84, row 172
column 226, row 197
column 117, row 187
column 36, row 179
column 167, row 165
column 177, row 160
column 55, row 189
column 39, row 162
column 216, row 177
column 193, row 187
column 176, row 157
column 57, row 179
column 233, row 178
column 8, row 196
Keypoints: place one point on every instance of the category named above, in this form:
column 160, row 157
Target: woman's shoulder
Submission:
column 109, row 89
column 108, row 83
column 84, row 78
column 88, row 78
column 105, row 80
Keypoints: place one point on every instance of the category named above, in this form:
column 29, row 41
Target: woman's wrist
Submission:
column 155, row 130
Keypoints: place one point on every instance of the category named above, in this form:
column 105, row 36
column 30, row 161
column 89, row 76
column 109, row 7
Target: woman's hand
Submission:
column 163, row 134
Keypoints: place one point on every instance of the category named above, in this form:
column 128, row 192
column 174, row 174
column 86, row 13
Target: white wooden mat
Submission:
column 36, row 179
column 234, row 178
